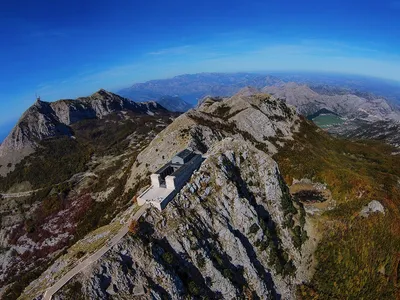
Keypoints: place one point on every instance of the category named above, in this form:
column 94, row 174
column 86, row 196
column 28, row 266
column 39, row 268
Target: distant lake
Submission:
column 327, row 120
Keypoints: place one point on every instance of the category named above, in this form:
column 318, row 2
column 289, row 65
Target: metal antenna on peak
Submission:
column 37, row 97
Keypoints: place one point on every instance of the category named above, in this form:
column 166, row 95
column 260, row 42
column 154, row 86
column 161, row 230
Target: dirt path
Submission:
column 18, row 195
column 94, row 257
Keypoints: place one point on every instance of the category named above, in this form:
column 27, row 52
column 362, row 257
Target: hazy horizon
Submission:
column 6, row 127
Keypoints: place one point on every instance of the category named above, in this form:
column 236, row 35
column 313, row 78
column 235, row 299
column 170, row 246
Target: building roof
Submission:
column 184, row 153
column 163, row 168
column 195, row 159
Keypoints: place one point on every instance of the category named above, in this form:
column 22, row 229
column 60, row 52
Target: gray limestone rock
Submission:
column 373, row 207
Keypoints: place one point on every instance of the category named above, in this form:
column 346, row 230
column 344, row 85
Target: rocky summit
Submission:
column 45, row 120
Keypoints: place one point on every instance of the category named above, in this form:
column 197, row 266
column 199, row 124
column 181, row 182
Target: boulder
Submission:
column 373, row 207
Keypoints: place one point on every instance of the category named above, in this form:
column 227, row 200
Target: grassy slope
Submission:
column 357, row 257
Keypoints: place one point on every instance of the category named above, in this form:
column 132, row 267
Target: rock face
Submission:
column 37, row 123
column 46, row 120
column 258, row 118
column 233, row 230
column 224, row 236
column 307, row 102
column 386, row 131
column 372, row 207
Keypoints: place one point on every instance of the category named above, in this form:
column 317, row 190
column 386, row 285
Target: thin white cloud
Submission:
column 306, row 55
column 338, row 45
column 172, row 51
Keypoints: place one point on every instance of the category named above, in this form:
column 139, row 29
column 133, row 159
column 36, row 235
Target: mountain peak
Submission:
column 39, row 102
column 248, row 91
column 102, row 93
column 52, row 119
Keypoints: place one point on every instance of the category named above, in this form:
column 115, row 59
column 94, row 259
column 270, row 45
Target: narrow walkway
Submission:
column 94, row 257
column 18, row 195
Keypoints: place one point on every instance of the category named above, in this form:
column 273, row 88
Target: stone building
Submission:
column 168, row 180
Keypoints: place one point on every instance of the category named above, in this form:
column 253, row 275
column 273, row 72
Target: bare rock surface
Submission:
column 210, row 239
column 45, row 120
column 307, row 102
column 258, row 117
column 373, row 207
column 232, row 230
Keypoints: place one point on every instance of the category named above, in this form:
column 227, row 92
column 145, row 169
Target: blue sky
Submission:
column 64, row 49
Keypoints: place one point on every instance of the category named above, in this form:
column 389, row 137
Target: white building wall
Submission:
column 173, row 184
column 170, row 182
column 155, row 180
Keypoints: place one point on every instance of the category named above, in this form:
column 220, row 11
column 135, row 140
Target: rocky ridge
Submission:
column 257, row 118
column 385, row 130
column 233, row 230
column 224, row 236
column 308, row 101
column 45, row 120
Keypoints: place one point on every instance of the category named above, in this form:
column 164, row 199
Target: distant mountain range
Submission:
column 361, row 100
column 175, row 104
column 193, row 87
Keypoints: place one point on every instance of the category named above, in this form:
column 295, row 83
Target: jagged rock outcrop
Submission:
column 233, row 231
column 386, row 131
column 46, row 120
column 257, row 118
column 225, row 236
column 373, row 207
column 308, row 101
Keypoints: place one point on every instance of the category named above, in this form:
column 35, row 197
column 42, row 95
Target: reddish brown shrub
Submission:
column 133, row 227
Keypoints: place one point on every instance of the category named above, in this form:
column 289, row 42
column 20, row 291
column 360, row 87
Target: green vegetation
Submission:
column 23, row 281
column 193, row 288
column 201, row 262
column 254, row 228
column 222, row 110
column 168, row 258
column 73, row 290
column 357, row 257
column 56, row 161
